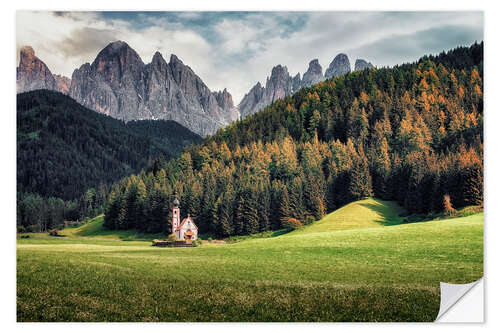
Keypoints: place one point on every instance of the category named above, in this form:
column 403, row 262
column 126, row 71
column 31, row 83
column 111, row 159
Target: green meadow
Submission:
column 359, row 263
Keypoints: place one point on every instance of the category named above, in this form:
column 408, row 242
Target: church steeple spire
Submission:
column 176, row 215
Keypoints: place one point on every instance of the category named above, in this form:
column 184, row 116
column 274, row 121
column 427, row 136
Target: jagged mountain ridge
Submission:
column 281, row 84
column 119, row 84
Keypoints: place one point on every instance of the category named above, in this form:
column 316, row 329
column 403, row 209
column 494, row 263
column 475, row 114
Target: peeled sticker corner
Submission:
column 451, row 294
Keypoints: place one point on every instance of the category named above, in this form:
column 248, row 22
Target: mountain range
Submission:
column 119, row 84
column 280, row 84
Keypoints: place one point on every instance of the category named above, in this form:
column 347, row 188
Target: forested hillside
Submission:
column 412, row 133
column 65, row 150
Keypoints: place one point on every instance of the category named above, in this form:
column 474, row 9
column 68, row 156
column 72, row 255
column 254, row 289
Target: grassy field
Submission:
column 336, row 269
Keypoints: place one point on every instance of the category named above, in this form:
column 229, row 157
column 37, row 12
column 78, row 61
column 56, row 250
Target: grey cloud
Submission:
column 397, row 49
column 85, row 41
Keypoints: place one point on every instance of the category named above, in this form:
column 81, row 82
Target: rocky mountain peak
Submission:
column 117, row 54
column 313, row 75
column 159, row 63
column 117, row 45
column 27, row 54
column 362, row 64
column 63, row 83
column 224, row 99
column 279, row 71
column 157, row 57
column 296, row 83
column 175, row 60
column 32, row 73
column 339, row 66
column 119, row 84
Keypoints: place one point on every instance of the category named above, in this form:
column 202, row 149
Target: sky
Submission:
column 235, row 50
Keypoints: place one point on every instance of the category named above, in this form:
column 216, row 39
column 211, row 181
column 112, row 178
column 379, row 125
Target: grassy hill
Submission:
column 374, row 273
column 368, row 213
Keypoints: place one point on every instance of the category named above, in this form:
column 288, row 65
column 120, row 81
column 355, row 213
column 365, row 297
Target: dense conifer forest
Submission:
column 412, row 133
column 68, row 152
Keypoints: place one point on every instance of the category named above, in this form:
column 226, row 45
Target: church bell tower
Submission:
column 176, row 215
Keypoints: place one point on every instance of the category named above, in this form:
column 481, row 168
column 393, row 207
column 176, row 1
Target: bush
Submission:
column 196, row 242
column 172, row 238
column 291, row 224
column 21, row 229
column 209, row 239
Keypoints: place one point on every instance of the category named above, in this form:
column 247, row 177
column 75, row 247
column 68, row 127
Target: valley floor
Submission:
column 381, row 272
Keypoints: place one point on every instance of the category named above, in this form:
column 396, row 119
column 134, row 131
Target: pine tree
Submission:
column 473, row 185
column 284, row 208
column 239, row 217
column 224, row 214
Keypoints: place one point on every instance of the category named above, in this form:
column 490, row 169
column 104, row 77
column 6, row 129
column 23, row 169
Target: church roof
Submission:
column 185, row 220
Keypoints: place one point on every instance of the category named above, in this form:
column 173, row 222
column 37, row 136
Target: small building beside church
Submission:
column 186, row 230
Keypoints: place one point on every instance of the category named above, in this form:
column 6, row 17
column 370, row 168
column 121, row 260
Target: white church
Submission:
column 185, row 230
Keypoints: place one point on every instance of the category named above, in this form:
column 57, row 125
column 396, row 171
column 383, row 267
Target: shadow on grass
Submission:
column 390, row 212
column 280, row 232
column 265, row 234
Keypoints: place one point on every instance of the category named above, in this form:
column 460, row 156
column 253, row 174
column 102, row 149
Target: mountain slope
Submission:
column 64, row 148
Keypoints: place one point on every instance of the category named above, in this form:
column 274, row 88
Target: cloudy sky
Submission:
column 234, row 50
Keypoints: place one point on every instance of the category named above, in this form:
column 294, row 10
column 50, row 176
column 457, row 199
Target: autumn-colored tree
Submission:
column 291, row 223
column 447, row 207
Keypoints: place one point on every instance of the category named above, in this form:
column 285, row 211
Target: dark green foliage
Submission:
column 473, row 185
column 40, row 214
column 223, row 214
column 64, row 148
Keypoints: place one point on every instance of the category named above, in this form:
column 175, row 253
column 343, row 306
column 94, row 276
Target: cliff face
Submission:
column 280, row 84
column 63, row 83
column 339, row 66
column 362, row 64
column 119, row 84
column 32, row 73
column 313, row 75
